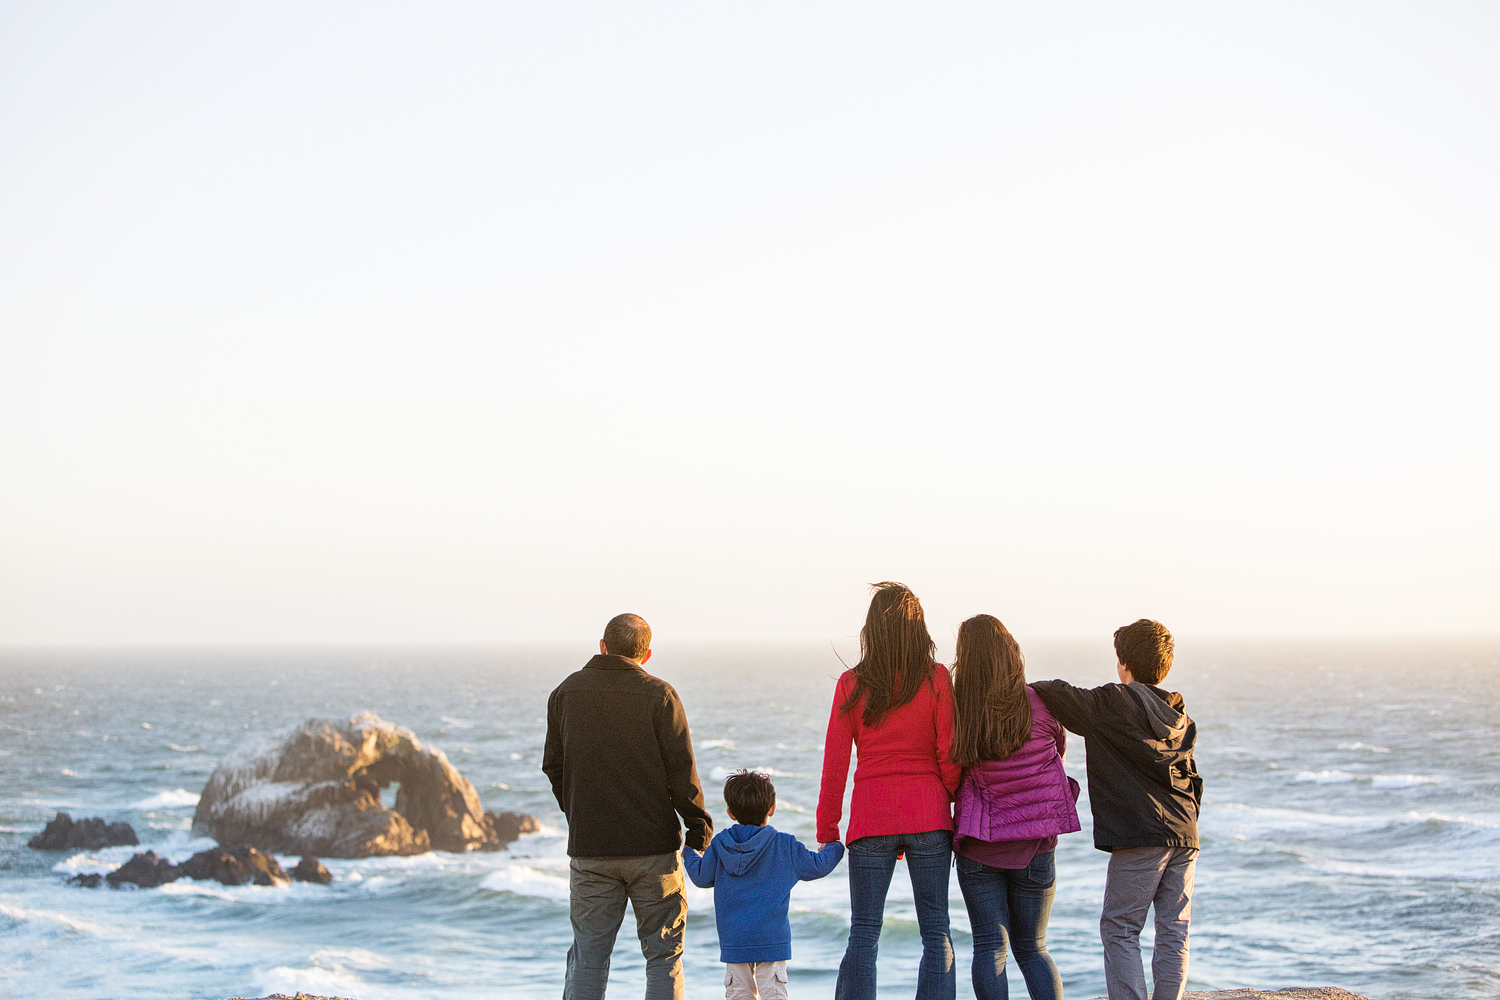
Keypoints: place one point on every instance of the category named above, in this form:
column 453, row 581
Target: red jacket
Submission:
column 904, row 782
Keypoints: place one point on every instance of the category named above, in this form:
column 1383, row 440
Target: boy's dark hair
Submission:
column 750, row 796
column 1146, row 648
column 628, row 636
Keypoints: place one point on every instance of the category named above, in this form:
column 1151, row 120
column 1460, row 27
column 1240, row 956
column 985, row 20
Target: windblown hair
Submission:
column 991, row 711
column 895, row 653
column 1146, row 647
column 628, row 636
column 750, row 796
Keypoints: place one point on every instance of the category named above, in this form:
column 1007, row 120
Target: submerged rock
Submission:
column 93, row 881
column 240, row 865
column 63, row 834
column 508, row 826
column 315, row 789
column 147, row 870
column 310, row 869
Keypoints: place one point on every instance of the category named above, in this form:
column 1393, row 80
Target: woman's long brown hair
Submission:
column 991, row 712
column 895, row 653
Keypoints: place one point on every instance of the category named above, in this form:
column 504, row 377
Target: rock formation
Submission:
column 147, row 870
column 310, row 869
column 315, row 789
column 63, row 834
column 232, row 866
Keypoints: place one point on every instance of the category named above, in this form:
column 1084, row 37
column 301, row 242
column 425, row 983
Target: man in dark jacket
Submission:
column 621, row 763
column 1144, row 791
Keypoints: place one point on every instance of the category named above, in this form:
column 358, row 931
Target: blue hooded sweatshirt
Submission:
column 752, row 870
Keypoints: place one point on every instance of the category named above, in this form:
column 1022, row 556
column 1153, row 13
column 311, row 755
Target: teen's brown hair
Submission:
column 1145, row 646
column 991, row 712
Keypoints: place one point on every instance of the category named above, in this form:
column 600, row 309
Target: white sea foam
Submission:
column 174, row 746
column 26, row 915
column 1374, row 780
column 717, row 745
column 285, row 980
column 1403, row 780
column 523, row 880
column 1370, row 747
column 176, row 799
column 456, row 723
column 723, row 773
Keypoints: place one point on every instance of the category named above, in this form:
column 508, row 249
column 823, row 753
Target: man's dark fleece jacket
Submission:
column 1144, row 788
column 621, row 763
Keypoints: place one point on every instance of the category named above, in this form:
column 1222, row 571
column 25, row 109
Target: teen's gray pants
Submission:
column 1139, row 878
column 598, row 889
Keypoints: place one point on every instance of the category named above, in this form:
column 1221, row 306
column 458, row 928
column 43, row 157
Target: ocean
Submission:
column 1351, row 821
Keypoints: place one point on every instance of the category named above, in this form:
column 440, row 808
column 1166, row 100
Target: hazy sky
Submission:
column 360, row 322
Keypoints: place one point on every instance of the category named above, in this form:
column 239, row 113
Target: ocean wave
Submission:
column 25, row 915
column 723, row 773
column 1364, row 746
column 1337, row 777
column 189, row 749
column 717, row 745
column 522, row 880
column 286, row 981
column 176, row 799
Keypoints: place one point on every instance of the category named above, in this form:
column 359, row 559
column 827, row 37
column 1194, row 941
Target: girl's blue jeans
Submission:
column 1011, row 906
column 872, row 862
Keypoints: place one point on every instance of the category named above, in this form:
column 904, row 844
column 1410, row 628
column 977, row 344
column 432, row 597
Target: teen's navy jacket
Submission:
column 752, row 870
column 1144, row 787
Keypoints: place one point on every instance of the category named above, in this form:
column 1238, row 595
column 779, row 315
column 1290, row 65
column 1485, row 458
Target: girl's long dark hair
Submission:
column 991, row 712
column 895, row 653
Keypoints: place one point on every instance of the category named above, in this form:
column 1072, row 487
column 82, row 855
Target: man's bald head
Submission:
column 628, row 636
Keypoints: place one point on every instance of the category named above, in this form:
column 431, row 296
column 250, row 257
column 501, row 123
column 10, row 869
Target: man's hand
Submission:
column 821, row 846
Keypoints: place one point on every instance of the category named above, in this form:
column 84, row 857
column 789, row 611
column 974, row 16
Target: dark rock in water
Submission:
column 63, row 834
column 310, row 869
column 93, row 881
column 240, row 865
column 315, row 789
column 147, row 870
column 506, row 827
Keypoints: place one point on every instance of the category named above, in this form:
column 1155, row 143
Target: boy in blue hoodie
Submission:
column 752, row 868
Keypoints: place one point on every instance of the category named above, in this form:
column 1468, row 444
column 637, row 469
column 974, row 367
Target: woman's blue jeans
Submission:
column 872, row 861
column 1011, row 905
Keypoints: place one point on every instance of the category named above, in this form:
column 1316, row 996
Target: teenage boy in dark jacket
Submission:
column 620, row 760
column 1144, row 791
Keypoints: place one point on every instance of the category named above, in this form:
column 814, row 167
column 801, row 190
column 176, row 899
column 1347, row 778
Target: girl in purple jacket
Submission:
column 1013, row 803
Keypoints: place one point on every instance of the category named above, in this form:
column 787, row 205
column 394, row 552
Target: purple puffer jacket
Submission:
column 1027, row 795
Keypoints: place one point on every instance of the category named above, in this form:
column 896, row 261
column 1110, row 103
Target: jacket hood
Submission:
column 1162, row 720
column 741, row 846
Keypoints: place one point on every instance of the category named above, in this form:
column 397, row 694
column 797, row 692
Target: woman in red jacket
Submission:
column 896, row 705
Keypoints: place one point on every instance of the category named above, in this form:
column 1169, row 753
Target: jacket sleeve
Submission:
column 809, row 865
column 950, row 772
column 700, row 867
column 1076, row 708
column 676, row 745
column 837, row 745
column 554, row 765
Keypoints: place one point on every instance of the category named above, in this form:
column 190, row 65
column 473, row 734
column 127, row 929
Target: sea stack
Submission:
column 314, row 789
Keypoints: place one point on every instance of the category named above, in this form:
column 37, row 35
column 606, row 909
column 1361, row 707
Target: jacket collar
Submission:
column 609, row 661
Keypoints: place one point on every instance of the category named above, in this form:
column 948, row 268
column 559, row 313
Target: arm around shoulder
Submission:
column 1076, row 708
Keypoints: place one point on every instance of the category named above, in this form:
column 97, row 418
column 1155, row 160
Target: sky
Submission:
column 471, row 323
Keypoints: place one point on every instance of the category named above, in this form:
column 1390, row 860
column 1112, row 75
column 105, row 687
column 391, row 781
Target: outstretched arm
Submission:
column 700, row 867
column 810, row 866
column 837, row 746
